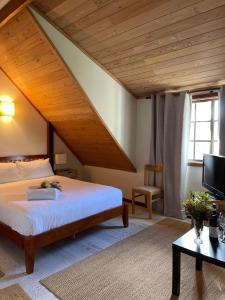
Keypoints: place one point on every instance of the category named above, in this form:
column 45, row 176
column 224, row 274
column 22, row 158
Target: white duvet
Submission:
column 78, row 200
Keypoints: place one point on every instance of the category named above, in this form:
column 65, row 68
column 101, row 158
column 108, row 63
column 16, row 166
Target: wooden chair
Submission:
column 151, row 193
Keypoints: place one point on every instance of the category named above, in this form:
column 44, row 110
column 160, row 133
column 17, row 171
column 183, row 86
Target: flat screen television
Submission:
column 213, row 175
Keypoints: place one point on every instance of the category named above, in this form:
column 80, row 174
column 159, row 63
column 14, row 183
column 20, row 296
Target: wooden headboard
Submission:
column 23, row 157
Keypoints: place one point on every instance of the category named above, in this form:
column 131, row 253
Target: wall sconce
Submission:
column 7, row 107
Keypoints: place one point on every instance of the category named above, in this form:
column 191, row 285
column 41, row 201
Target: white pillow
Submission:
column 34, row 169
column 9, row 172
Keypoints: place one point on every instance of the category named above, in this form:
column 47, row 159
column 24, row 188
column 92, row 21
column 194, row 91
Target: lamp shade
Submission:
column 7, row 108
column 60, row 158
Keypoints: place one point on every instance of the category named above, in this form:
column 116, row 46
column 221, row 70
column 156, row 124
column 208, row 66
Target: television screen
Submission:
column 213, row 177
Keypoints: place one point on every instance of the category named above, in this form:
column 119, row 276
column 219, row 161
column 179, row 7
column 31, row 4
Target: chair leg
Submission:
column 133, row 202
column 146, row 200
column 162, row 199
column 149, row 205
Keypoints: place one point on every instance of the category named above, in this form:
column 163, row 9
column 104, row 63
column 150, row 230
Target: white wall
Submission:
column 72, row 161
column 114, row 104
column 125, row 180
column 26, row 133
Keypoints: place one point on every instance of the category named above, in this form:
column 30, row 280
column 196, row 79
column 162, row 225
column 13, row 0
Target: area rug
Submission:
column 13, row 292
column 138, row 268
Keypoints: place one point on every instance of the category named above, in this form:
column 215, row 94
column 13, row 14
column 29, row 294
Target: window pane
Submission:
column 216, row 148
column 203, row 131
column 201, row 148
column 192, row 131
column 191, row 151
column 203, row 111
column 216, row 109
column 193, row 112
column 216, row 132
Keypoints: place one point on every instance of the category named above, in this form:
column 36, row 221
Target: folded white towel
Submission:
column 34, row 193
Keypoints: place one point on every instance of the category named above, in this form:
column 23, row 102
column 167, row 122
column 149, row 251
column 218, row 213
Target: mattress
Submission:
column 78, row 200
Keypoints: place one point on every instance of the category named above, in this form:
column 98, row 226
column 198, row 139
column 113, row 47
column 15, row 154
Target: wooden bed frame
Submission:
column 31, row 244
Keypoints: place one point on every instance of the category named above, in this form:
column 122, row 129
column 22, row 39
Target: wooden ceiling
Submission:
column 148, row 45
column 29, row 59
column 9, row 8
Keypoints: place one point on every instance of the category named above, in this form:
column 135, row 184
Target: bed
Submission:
column 35, row 224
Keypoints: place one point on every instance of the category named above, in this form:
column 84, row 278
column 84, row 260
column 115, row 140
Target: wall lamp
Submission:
column 7, row 107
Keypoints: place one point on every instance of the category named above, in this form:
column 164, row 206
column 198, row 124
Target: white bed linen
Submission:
column 78, row 200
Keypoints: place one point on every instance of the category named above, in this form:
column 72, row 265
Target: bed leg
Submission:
column 125, row 215
column 29, row 256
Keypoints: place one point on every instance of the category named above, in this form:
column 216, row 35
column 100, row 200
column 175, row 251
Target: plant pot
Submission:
column 198, row 226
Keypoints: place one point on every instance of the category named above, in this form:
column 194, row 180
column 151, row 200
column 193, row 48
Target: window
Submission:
column 204, row 128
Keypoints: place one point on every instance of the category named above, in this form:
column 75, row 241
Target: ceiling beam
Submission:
column 12, row 8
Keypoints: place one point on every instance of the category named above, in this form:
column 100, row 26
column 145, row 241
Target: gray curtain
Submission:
column 222, row 122
column 169, row 146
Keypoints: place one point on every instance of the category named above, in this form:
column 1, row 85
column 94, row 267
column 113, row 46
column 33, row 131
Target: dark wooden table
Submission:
column 209, row 251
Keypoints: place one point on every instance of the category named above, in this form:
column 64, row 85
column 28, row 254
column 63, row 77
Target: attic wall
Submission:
column 116, row 106
column 32, row 63
column 26, row 132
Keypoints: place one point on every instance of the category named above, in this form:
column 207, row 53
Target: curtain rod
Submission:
column 211, row 90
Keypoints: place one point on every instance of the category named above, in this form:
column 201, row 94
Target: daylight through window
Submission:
column 204, row 128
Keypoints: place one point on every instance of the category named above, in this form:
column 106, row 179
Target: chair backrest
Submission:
column 151, row 169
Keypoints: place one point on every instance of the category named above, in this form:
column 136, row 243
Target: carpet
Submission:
column 13, row 292
column 138, row 268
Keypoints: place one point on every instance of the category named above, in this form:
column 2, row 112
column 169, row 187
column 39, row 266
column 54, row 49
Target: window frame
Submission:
column 198, row 162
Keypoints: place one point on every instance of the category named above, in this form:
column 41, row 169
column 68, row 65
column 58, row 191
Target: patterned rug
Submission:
column 138, row 268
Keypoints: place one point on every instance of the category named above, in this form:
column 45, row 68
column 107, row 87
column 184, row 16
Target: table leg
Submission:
column 198, row 264
column 176, row 272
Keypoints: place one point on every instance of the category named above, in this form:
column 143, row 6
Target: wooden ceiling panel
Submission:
column 130, row 37
column 31, row 62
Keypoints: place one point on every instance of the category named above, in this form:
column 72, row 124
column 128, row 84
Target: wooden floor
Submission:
column 61, row 255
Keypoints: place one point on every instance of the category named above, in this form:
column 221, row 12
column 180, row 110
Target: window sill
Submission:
column 195, row 163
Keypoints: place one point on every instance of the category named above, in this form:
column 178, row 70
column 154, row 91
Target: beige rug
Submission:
column 138, row 268
column 13, row 292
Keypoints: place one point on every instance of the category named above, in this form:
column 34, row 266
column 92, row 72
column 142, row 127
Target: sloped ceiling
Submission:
column 29, row 59
column 148, row 45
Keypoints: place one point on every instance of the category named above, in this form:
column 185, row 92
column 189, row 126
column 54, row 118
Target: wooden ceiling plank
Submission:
column 169, row 51
column 177, row 61
column 188, row 72
column 203, row 76
column 63, row 8
column 105, row 12
column 157, row 9
column 12, row 8
column 46, row 6
column 179, row 36
column 163, row 38
column 75, row 14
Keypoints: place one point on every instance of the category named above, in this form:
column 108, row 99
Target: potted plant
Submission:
column 198, row 205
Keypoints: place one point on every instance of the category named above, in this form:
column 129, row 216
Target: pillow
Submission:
column 9, row 172
column 34, row 169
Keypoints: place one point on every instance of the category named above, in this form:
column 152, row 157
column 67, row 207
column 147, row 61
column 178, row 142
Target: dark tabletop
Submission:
column 208, row 249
